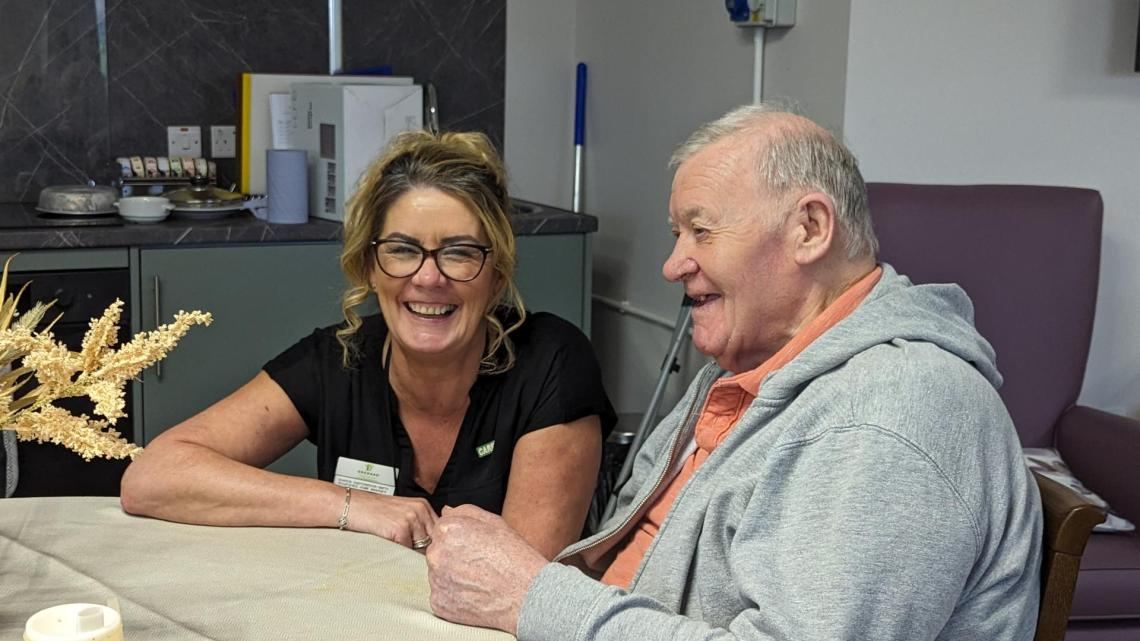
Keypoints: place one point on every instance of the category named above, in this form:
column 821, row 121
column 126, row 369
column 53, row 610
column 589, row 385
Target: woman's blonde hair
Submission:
column 464, row 166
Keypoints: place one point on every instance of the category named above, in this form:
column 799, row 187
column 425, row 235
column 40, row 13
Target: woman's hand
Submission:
column 404, row 520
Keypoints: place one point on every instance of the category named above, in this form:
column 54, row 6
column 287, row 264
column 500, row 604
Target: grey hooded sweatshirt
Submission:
column 874, row 490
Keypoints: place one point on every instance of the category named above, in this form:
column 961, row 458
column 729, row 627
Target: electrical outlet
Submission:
column 222, row 141
column 184, row 141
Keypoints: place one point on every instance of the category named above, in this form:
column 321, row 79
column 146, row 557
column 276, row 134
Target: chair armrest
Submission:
column 1068, row 523
column 1103, row 450
column 1068, row 518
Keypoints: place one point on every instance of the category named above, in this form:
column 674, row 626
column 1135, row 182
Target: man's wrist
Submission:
column 530, row 568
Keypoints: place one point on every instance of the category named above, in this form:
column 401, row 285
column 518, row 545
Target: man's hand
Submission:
column 479, row 569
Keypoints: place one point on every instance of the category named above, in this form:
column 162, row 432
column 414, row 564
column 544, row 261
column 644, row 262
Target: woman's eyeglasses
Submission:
column 460, row 262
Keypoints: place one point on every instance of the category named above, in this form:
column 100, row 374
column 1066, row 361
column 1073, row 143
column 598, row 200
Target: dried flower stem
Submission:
column 97, row 371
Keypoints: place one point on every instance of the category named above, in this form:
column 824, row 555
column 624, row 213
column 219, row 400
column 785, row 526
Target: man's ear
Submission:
column 815, row 227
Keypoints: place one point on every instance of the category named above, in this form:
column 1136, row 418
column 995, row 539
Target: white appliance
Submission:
column 267, row 122
column 343, row 128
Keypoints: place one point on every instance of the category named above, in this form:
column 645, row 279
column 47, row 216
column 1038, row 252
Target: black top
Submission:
column 353, row 412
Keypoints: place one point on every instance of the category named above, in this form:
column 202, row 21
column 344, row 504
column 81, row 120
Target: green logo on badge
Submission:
column 485, row 449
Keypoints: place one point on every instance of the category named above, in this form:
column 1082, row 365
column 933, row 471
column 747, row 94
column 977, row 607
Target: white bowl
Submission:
column 144, row 209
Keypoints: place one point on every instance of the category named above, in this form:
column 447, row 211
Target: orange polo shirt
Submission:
column 725, row 404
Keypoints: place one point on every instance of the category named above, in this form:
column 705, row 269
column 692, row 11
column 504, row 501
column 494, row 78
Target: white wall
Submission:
column 1018, row 91
column 655, row 73
column 808, row 63
column 654, row 76
column 539, row 100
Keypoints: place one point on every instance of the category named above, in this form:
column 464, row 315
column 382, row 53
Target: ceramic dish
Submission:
column 206, row 213
column 144, row 209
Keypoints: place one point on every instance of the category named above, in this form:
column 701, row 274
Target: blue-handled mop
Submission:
column 579, row 134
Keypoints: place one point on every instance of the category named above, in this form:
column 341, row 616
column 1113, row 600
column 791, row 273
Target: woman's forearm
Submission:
column 553, row 474
column 190, row 483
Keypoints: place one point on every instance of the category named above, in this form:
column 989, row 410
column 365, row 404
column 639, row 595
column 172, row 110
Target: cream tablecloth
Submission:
column 176, row 582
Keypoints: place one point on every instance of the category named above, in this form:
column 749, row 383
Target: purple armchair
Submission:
column 1029, row 257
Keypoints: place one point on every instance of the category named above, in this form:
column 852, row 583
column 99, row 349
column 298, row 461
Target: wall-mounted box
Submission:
column 184, row 141
column 223, row 141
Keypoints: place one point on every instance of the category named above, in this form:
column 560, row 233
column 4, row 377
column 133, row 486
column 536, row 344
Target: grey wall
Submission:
column 1021, row 91
column 655, row 74
column 539, row 96
column 808, row 63
column 77, row 90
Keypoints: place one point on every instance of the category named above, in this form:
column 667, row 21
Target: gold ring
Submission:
column 421, row 543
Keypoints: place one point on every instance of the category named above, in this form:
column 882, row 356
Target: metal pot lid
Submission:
column 77, row 199
column 81, row 190
column 203, row 196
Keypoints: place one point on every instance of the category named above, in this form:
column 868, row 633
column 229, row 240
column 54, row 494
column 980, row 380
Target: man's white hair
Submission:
column 798, row 157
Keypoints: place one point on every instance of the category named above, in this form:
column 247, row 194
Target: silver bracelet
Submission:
column 342, row 522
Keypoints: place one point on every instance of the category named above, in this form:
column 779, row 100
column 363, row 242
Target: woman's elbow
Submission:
column 131, row 489
column 139, row 487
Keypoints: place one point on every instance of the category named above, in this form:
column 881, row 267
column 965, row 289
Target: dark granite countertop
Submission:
column 22, row 227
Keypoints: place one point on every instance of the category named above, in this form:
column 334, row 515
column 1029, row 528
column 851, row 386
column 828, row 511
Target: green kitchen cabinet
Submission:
column 263, row 299
column 553, row 275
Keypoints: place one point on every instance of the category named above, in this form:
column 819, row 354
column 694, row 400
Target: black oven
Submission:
column 81, row 295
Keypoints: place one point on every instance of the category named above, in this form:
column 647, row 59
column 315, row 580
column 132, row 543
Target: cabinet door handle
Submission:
column 157, row 322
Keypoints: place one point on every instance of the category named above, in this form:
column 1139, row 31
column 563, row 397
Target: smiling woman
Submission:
column 438, row 309
column 452, row 185
column 452, row 395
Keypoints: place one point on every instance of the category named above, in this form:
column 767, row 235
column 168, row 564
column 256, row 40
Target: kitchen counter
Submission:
column 22, row 227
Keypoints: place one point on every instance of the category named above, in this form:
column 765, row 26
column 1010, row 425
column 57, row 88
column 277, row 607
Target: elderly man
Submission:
column 845, row 470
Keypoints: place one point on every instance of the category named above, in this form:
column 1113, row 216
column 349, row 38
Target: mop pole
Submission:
column 579, row 134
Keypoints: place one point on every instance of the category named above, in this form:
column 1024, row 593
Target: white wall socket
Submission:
column 223, row 141
column 184, row 141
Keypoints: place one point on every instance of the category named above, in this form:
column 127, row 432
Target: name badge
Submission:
column 362, row 475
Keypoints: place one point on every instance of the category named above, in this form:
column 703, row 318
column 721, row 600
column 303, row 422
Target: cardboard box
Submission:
column 344, row 128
